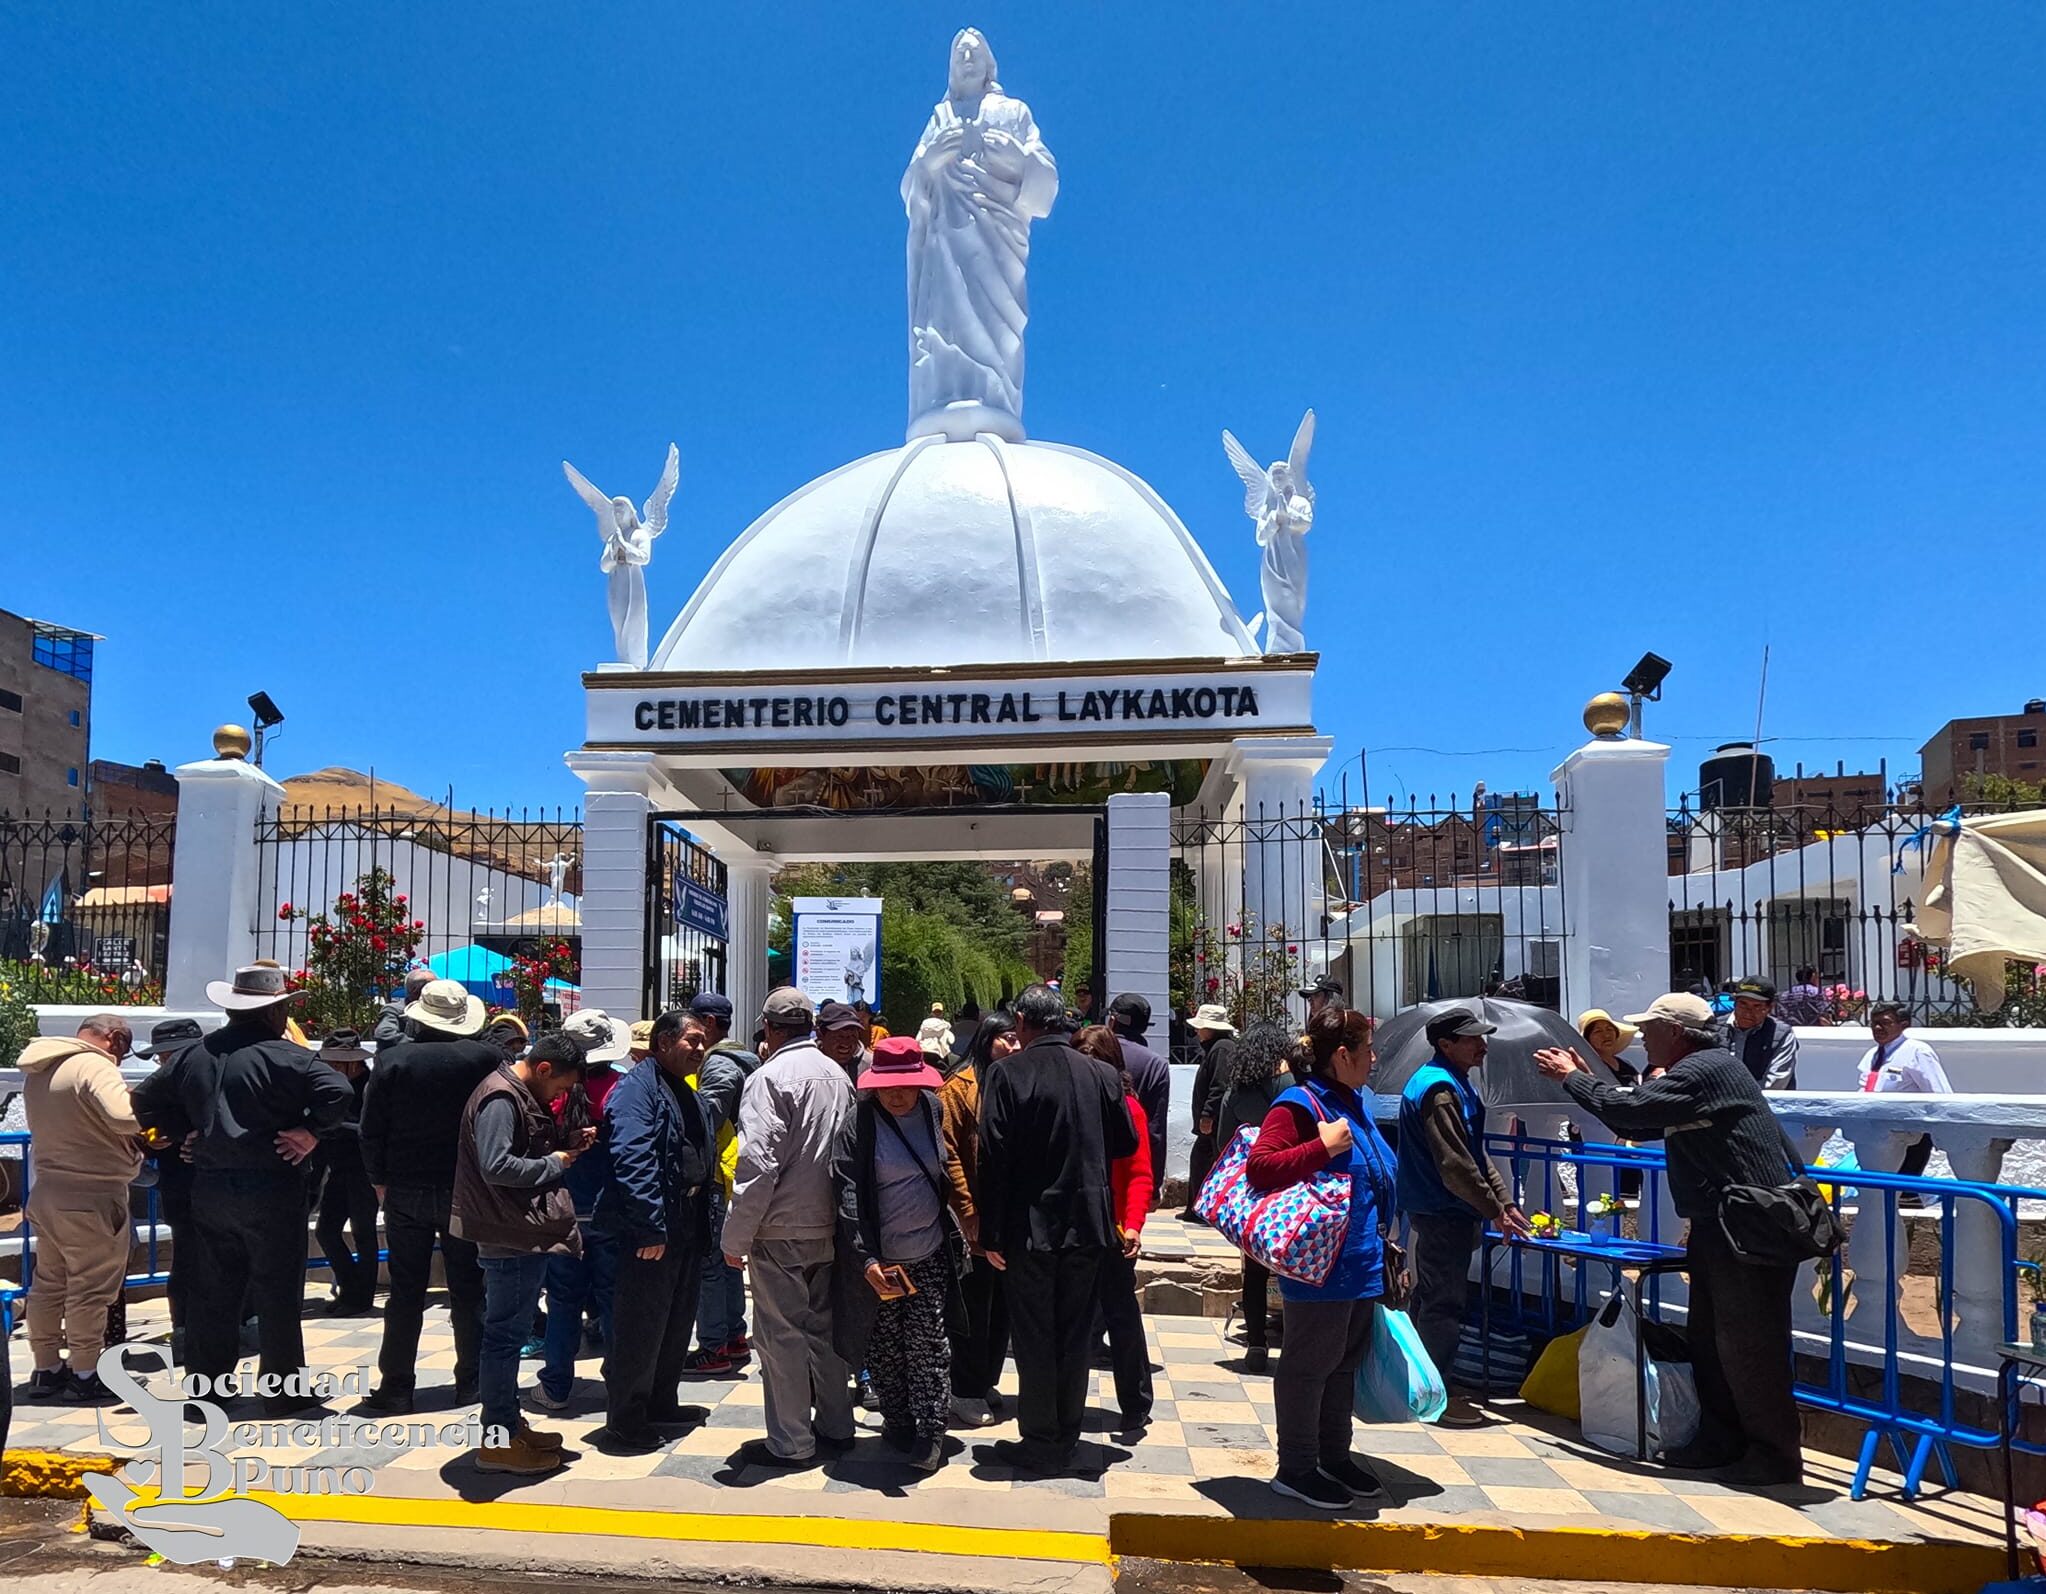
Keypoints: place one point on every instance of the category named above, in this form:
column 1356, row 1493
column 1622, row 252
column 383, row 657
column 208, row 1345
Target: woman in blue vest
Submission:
column 1325, row 1122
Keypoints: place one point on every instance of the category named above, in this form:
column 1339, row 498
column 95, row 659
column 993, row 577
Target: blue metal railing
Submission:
column 1918, row 1436
column 153, row 1222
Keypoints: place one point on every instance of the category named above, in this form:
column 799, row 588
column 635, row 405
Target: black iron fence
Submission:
column 687, row 919
column 351, row 898
column 1400, row 904
column 1817, row 897
column 85, row 907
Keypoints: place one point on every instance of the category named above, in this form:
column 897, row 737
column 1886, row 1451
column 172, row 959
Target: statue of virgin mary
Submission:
column 979, row 177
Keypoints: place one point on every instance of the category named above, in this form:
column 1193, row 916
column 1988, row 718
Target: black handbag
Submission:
column 1780, row 1225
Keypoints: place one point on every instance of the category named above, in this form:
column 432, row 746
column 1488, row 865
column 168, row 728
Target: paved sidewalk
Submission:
column 1209, row 1452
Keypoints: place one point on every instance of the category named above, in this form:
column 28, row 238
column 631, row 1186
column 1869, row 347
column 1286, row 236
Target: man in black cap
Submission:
column 1765, row 1044
column 259, row 1104
column 168, row 1041
column 721, row 1342
column 842, row 1036
column 1448, row 1188
column 1323, row 991
column 1129, row 1015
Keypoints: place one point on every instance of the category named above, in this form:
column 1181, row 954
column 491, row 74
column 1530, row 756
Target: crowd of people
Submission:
column 901, row 1215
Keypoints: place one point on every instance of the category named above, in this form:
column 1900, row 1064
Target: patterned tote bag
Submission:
column 1297, row 1231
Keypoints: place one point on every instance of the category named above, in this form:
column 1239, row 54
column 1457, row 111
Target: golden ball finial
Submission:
column 1606, row 715
column 231, row 741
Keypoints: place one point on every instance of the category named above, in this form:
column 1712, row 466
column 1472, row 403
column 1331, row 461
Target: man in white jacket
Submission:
column 84, row 1152
column 783, row 1220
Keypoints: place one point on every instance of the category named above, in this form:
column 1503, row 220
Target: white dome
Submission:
column 943, row 552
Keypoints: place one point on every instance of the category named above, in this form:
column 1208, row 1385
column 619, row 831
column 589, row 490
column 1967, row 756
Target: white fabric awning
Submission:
column 1985, row 898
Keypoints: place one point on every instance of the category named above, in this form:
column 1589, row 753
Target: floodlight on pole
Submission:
column 1644, row 685
column 268, row 717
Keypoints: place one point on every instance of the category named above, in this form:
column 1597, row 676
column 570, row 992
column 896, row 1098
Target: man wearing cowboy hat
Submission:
column 348, row 1201
column 1217, row 1032
column 260, row 1105
column 411, row 1122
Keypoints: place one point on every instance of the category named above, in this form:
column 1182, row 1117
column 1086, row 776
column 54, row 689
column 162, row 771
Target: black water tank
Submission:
column 1737, row 777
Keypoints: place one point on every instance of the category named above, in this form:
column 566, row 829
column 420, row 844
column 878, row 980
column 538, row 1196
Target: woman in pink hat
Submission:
column 898, row 1232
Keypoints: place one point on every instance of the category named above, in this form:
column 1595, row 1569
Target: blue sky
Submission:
column 1685, row 327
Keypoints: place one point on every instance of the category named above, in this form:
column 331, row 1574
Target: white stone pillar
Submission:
column 1283, row 901
column 216, row 875
column 749, row 896
column 616, row 811
column 1979, row 1279
column 1879, row 1148
column 1138, row 956
column 1615, row 865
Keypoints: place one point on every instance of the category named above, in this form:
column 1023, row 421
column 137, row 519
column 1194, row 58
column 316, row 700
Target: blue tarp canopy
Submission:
column 477, row 967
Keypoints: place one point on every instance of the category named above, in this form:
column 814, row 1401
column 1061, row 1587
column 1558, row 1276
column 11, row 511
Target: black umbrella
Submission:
column 1509, row 1077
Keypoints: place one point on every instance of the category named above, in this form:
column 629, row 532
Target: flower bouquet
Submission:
column 1602, row 1216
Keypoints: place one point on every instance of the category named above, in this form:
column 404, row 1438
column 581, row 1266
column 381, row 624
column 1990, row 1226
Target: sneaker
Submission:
column 869, row 1401
column 47, row 1383
column 540, row 1438
column 1313, row 1488
column 736, row 1351
column 928, row 1454
column 85, row 1389
column 1353, row 1475
column 520, row 1458
column 1257, row 1359
column 970, row 1413
column 386, row 1402
column 542, row 1397
column 1462, row 1412
column 758, row 1453
column 708, row 1363
column 533, row 1350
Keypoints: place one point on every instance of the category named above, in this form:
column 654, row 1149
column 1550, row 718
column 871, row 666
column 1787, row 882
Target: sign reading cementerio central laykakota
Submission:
column 943, row 706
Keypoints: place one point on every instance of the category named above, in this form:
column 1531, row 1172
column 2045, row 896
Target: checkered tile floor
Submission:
column 1167, row 1239
column 1209, row 1450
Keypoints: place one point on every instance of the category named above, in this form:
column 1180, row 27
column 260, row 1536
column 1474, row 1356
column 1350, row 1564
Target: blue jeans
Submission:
column 511, row 1290
column 721, row 1298
column 575, row 1284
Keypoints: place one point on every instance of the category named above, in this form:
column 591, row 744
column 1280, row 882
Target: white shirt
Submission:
column 1909, row 1065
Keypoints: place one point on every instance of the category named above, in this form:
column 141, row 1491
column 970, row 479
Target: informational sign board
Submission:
column 699, row 909
column 836, row 948
column 114, row 951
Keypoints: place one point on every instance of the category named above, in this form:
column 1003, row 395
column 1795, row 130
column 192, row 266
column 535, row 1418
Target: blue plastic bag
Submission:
column 1397, row 1382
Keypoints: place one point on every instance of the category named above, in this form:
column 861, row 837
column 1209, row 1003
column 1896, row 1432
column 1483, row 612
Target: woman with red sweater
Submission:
column 1131, row 1181
column 1325, row 1122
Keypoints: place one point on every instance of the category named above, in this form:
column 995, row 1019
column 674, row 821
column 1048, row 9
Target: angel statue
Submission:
column 1281, row 502
column 858, row 960
column 628, row 535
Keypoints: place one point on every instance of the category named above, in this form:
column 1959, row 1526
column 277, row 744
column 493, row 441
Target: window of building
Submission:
column 9, row 764
column 74, row 717
column 1978, row 741
column 2028, row 738
column 71, row 777
column 11, row 701
column 66, row 652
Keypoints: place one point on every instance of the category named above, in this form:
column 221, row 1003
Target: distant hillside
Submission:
column 518, row 843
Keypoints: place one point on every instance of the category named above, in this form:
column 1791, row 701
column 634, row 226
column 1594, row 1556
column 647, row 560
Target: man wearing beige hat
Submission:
column 258, row 1105
column 1709, row 1112
column 411, row 1122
